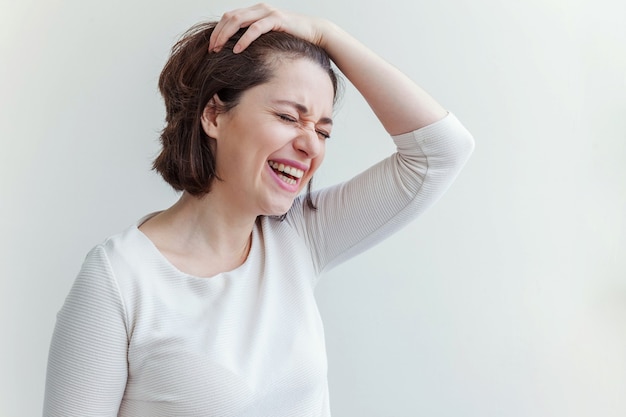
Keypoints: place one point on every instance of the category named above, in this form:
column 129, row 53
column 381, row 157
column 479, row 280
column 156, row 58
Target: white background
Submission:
column 508, row 298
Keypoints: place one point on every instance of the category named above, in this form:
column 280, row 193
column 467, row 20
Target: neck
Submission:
column 207, row 223
column 201, row 234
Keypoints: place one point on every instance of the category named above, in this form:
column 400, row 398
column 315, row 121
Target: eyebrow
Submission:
column 302, row 109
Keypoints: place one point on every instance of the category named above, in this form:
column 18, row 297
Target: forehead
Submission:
column 299, row 81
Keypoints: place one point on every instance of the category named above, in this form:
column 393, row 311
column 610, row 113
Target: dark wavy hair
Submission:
column 193, row 75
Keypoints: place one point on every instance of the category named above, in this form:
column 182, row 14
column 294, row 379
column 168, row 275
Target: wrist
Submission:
column 326, row 33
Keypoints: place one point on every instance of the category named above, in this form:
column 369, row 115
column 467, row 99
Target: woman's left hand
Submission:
column 400, row 104
column 260, row 19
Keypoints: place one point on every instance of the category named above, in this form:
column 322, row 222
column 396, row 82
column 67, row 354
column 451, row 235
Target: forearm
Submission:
column 398, row 102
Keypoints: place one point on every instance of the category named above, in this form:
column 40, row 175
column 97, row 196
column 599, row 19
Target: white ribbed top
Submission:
column 137, row 337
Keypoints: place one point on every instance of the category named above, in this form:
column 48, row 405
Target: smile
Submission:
column 288, row 174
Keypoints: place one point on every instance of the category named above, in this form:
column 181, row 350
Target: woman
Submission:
column 207, row 308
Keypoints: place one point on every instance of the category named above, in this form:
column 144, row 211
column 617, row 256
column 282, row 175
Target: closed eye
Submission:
column 287, row 118
column 290, row 119
column 323, row 134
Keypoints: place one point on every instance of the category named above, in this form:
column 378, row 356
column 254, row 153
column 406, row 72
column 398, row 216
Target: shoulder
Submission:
column 117, row 249
column 288, row 233
column 125, row 259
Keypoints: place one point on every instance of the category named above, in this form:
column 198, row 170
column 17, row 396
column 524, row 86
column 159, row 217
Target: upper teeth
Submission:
column 293, row 171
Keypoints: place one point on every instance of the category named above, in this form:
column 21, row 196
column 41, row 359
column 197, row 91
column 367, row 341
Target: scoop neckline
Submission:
column 222, row 275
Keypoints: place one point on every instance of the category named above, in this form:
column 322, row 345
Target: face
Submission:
column 269, row 146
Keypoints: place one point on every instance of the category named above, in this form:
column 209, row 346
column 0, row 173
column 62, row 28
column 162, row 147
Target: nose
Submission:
column 308, row 141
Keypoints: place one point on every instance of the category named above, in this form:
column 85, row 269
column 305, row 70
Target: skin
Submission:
column 400, row 104
column 206, row 236
column 287, row 119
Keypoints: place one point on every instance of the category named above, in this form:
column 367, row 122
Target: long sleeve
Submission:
column 137, row 337
column 355, row 215
column 87, row 363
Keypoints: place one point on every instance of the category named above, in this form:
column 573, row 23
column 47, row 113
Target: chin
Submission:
column 278, row 209
column 278, row 212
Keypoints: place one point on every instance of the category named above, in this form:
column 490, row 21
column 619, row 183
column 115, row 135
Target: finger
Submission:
column 234, row 20
column 253, row 32
column 226, row 27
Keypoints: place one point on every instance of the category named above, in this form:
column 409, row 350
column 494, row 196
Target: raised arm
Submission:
column 400, row 104
column 432, row 146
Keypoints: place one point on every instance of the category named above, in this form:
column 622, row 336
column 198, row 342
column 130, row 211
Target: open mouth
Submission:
column 287, row 173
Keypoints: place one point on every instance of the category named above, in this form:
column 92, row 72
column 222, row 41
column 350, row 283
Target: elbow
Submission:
column 456, row 149
column 463, row 148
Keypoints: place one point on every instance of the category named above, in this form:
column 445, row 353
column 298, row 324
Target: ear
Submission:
column 210, row 116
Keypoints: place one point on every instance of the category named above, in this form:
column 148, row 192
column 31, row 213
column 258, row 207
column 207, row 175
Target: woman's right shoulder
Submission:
column 123, row 255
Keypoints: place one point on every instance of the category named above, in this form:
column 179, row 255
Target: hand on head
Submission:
column 260, row 19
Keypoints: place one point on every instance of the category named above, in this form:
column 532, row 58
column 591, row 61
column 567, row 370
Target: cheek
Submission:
column 316, row 163
column 320, row 157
